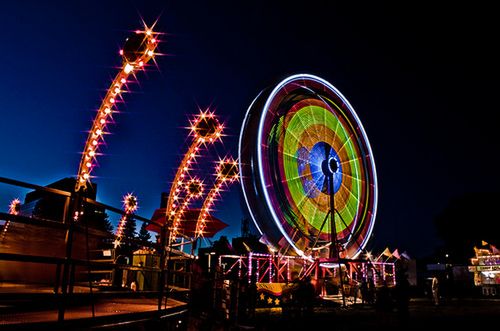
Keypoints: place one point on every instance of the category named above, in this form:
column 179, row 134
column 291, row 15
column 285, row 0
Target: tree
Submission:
column 222, row 246
column 144, row 234
column 465, row 222
column 129, row 232
column 130, row 228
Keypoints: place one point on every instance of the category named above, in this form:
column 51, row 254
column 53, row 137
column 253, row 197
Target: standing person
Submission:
column 435, row 290
column 364, row 291
column 402, row 296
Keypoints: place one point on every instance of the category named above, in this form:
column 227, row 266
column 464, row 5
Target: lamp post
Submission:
column 210, row 260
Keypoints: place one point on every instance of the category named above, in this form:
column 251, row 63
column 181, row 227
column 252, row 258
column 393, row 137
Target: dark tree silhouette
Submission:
column 130, row 228
column 222, row 246
column 129, row 232
column 466, row 221
column 144, row 234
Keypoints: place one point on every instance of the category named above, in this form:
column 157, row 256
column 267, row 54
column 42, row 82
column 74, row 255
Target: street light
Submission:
column 210, row 260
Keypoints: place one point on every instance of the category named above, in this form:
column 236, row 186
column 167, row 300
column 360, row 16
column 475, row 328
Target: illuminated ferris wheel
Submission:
column 307, row 169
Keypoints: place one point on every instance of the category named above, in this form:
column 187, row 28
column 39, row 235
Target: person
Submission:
column 370, row 291
column 355, row 290
column 402, row 295
column 435, row 291
column 308, row 296
column 364, row 291
column 384, row 300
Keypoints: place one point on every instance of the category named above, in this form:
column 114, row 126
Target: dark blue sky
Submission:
column 421, row 77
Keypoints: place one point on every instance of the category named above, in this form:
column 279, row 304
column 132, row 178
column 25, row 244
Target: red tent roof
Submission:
column 187, row 225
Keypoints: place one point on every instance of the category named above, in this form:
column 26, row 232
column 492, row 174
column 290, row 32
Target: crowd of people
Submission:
column 298, row 299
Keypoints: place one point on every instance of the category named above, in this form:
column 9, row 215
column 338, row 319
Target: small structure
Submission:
column 486, row 268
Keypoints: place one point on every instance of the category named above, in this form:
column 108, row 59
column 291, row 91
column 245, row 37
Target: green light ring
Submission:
column 302, row 119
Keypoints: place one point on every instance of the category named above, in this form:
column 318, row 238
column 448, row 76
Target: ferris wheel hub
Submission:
column 330, row 166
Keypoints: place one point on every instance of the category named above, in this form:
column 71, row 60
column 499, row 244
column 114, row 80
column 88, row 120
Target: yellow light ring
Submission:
column 95, row 137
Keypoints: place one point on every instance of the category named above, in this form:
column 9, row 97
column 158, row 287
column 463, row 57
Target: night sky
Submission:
column 422, row 78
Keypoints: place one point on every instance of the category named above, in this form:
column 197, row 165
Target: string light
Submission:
column 203, row 127
column 137, row 51
column 14, row 208
column 226, row 172
column 130, row 205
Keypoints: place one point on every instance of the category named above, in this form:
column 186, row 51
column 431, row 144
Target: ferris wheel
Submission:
column 305, row 159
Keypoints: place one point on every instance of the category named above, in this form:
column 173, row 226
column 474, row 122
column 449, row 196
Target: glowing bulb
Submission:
column 88, row 164
column 102, row 121
column 123, row 80
column 141, row 63
column 94, row 142
column 117, row 90
column 128, row 68
column 153, row 40
column 85, row 175
column 121, row 51
column 150, row 53
column 112, row 100
column 91, row 153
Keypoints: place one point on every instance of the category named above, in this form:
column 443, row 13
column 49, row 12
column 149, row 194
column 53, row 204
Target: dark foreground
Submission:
column 460, row 314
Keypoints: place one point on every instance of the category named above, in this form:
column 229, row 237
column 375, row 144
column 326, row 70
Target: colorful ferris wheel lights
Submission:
column 310, row 147
column 138, row 49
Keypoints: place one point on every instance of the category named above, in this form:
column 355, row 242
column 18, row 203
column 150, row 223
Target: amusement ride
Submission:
column 306, row 168
column 138, row 50
column 304, row 157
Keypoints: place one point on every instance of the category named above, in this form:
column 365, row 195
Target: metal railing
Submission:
column 70, row 232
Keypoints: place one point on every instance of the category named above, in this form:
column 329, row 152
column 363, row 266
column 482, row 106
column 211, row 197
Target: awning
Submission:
column 187, row 225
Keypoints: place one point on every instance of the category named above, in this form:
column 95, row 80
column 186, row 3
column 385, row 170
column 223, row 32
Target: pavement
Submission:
column 422, row 314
